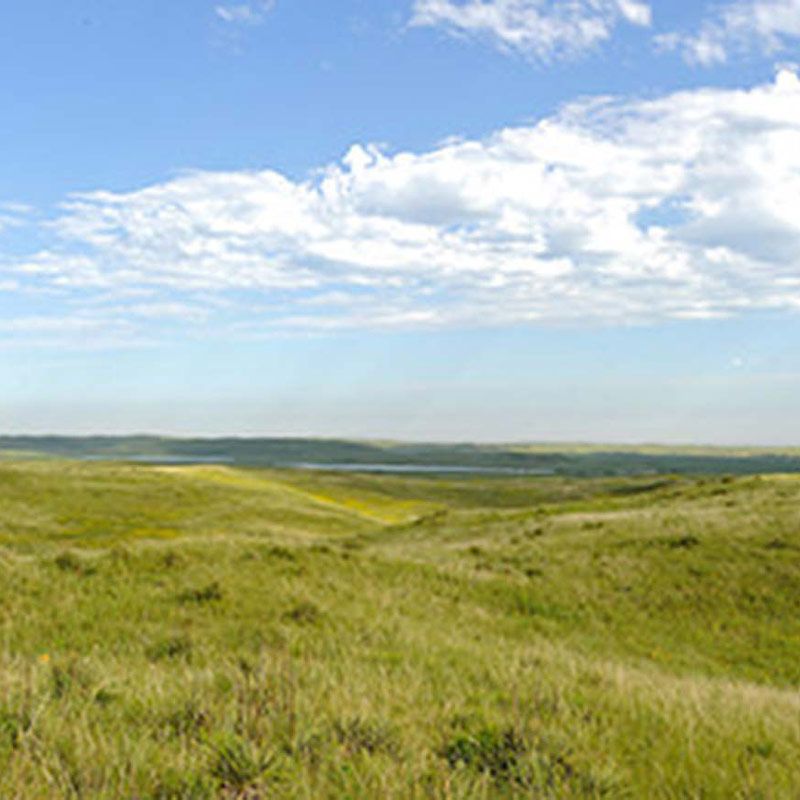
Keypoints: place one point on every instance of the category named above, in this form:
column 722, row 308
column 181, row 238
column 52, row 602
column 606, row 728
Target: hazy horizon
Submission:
column 280, row 434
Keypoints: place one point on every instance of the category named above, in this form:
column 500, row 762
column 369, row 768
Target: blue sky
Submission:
column 430, row 219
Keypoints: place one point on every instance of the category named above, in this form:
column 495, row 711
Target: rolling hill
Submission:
column 199, row 631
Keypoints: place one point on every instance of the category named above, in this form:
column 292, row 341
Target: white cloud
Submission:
column 539, row 29
column 50, row 325
column 611, row 212
column 744, row 25
column 635, row 12
column 166, row 310
column 8, row 221
column 253, row 13
column 14, row 215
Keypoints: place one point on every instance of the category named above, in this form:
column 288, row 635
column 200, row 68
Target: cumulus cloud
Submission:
column 611, row 212
column 253, row 13
column 744, row 25
column 539, row 29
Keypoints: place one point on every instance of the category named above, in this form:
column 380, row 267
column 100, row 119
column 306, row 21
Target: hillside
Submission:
column 208, row 631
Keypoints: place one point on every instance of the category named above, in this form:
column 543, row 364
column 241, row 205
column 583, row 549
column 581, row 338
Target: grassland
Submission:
column 205, row 631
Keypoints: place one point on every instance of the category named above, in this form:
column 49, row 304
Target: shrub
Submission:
column 186, row 721
column 498, row 752
column 281, row 553
column 69, row 562
column 13, row 726
column 172, row 559
column 777, row 544
column 683, row 542
column 544, row 768
column 206, row 594
column 305, row 613
column 357, row 735
column 173, row 647
column 237, row 764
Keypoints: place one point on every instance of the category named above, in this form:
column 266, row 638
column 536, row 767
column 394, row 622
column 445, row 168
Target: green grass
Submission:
column 203, row 632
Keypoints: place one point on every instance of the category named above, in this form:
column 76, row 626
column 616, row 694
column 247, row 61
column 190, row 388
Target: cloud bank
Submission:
column 613, row 211
column 543, row 30
column 765, row 26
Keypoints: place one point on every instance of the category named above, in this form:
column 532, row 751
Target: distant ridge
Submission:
column 351, row 455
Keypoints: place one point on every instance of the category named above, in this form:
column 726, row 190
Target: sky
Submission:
column 460, row 220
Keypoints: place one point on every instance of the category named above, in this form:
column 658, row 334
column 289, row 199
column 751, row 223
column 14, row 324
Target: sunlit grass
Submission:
column 207, row 632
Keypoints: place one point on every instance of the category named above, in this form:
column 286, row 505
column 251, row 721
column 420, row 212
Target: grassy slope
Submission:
column 202, row 631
